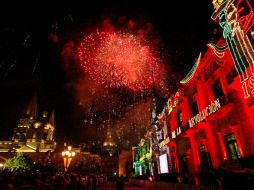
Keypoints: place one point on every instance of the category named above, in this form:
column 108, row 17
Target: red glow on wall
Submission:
column 226, row 131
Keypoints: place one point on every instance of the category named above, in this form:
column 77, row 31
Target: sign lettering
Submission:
column 213, row 107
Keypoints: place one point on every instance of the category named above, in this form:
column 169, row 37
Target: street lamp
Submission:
column 67, row 157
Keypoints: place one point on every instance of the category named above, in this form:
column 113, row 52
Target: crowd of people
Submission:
column 27, row 179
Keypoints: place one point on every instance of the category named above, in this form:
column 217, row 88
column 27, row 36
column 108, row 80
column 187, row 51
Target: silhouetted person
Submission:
column 94, row 182
column 119, row 183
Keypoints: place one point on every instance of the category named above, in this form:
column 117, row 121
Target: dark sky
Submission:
column 29, row 61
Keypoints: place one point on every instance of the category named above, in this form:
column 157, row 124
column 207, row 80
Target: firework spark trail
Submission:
column 35, row 63
column 8, row 70
column 137, row 118
column 70, row 17
column 7, row 58
column 26, row 39
column 118, row 60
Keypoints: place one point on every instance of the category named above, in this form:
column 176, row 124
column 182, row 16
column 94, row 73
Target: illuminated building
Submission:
column 34, row 133
column 142, row 158
column 236, row 17
column 109, row 145
column 145, row 154
column 209, row 119
column 110, row 161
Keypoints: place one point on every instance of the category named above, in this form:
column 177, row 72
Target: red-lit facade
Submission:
column 210, row 122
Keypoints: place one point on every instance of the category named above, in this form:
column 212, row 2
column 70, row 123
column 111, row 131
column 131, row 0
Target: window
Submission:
column 232, row 147
column 162, row 134
column 137, row 156
column 194, row 107
column 217, row 89
column 179, row 119
column 169, row 130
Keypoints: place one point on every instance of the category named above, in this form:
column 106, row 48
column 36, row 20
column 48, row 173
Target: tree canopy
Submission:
column 20, row 161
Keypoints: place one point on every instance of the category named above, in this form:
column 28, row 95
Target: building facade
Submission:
column 209, row 119
column 208, row 123
column 34, row 132
column 142, row 159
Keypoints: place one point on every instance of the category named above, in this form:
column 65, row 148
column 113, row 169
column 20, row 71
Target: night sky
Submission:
column 32, row 41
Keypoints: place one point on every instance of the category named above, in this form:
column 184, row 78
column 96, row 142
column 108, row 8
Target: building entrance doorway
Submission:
column 204, row 156
column 232, row 147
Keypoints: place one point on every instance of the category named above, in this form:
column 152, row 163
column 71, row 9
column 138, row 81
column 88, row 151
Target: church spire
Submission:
column 109, row 144
column 31, row 110
column 52, row 118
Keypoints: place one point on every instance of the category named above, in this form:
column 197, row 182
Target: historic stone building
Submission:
column 34, row 132
column 209, row 120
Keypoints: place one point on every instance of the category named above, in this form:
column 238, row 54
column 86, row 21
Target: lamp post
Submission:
column 67, row 157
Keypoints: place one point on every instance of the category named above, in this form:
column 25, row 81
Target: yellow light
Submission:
column 36, row 125
column 217, row 4
column 67, row 157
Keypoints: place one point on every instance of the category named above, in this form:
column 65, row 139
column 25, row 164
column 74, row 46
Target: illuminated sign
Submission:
column 237, row 20
column 173, row 134
column 217, row 4
column 211, row 108
column 163, row 163
column 164, row 142
column 171, row 103
column 176, row 132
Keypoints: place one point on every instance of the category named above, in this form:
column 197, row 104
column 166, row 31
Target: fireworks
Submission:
column 120, row 68
column 119, row 60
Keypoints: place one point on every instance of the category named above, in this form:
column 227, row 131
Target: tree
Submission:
column 20, row 161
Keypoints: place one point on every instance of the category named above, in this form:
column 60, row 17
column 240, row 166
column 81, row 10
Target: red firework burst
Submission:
column 118, row 60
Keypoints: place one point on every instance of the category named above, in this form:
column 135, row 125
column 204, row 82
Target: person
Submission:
column 94, row 181
column 120, row 183
column 87, row 183
column 80, row 185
